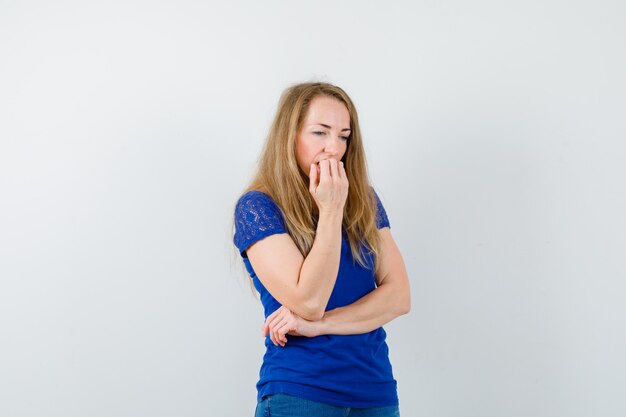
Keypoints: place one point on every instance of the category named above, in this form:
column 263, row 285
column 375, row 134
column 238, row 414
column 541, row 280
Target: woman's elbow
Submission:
column 405, row 305
column 312, row 315
column 311, row 311
column 407, row 308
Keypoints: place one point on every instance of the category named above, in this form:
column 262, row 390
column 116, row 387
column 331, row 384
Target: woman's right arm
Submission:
column 304, row 285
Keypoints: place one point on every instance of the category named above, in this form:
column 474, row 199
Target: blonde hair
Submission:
column 280, row 177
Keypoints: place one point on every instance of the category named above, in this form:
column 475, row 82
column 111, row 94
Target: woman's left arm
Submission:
column 391, row 298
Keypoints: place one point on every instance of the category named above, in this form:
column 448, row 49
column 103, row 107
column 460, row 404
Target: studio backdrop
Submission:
column 494, row 133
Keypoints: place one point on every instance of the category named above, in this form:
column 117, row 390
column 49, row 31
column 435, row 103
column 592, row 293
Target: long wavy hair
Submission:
column 280, row 177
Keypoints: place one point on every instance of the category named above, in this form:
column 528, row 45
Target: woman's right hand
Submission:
column 283, row 321
column 328, row 184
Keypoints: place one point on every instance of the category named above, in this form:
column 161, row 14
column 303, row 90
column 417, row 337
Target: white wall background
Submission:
column 495, row 136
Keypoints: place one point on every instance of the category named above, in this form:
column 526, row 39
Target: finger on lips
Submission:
column 333, row 168
column 313, row 172
column 324, row 168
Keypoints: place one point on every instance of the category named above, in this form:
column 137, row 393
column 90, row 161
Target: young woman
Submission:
column 316, row 242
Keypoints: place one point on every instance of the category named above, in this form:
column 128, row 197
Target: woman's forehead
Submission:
column 328, row 111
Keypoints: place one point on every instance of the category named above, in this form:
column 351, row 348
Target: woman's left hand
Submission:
column 282, row 322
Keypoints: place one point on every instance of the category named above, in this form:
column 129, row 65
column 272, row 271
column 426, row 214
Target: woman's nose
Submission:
column 332, row 144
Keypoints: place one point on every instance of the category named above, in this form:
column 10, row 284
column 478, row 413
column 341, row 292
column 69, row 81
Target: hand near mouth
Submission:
column 328, row 184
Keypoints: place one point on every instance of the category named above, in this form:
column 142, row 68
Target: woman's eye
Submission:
column 344, row 138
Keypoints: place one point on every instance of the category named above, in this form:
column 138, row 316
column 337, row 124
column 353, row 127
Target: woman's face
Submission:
column 324, row 133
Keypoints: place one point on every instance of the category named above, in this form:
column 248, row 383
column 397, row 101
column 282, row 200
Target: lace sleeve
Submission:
column 256, row 217
column 381, row 215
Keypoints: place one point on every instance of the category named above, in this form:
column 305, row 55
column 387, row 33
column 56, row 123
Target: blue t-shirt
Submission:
column 342, row 370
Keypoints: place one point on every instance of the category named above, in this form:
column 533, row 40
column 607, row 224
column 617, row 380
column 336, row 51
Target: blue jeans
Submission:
column 283, row 405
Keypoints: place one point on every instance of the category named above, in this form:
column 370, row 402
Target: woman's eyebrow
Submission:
column 328, row 127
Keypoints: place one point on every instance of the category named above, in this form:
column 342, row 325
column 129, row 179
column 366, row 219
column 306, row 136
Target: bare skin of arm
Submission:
column 389, row 300
column 303, row 285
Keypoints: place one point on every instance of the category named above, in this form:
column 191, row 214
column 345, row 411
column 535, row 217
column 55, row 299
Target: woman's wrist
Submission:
column 323, row 326
column 310, row 328
column 331, row 217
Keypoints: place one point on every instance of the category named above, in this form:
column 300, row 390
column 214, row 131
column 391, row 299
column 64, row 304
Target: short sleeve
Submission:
column 381, row 215
column 256, row 217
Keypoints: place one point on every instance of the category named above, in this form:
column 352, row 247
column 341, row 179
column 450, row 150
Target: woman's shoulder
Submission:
column 257, row 203
column 255, row 197
column 256, row 217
